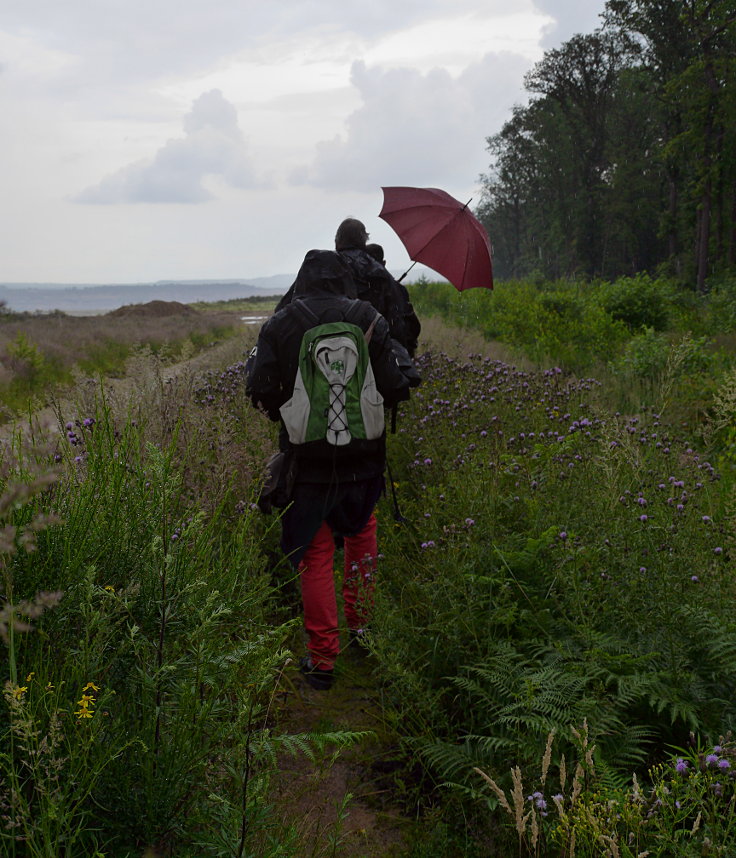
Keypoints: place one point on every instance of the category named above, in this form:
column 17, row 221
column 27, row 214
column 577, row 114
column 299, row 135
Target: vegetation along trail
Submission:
column 553, row 617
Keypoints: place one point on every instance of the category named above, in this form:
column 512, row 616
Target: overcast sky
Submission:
column 181, row 139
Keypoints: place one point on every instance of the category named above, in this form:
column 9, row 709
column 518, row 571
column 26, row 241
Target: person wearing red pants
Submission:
column 318, row 591
column 334, row 489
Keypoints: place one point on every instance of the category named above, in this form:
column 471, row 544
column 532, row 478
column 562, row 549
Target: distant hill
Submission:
column 100, row 298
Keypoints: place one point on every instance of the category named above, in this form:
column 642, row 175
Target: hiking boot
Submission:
column 317, row 677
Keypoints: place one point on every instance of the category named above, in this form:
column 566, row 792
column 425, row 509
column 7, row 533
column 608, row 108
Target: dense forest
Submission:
column 624, row 158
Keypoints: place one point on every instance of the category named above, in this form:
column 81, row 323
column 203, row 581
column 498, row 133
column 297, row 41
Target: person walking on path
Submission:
column 335, row 485
column 375, row 284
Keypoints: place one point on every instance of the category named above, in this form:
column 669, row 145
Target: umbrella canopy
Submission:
column 442, row 233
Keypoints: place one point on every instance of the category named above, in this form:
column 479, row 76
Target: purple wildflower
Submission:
column 681, row 765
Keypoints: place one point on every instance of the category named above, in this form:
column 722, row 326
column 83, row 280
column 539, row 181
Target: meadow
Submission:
column 553, row 650
column 40, row 352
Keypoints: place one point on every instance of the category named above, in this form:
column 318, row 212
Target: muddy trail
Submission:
column 344, row 802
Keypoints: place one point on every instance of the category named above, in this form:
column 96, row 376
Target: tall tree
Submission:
column 525, row 195
column 689, row 50
column 581, row 77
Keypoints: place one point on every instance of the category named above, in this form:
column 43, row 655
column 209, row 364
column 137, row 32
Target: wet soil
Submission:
column 342, row 803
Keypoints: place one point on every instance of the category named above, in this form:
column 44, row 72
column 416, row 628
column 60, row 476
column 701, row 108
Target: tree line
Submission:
column 624, row 157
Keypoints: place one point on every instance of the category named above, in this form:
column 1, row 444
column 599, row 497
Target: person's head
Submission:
column 324, row 272
column 376, row 251
column 350, row 233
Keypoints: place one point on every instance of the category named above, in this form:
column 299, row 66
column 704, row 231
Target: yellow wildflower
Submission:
column 50, row 687
column 87, row 700
column 19, row 691
column 84, row 713
column 30, row 676
column 90, row 685
column 109, row 588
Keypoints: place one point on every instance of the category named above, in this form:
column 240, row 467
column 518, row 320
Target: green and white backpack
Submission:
column 335, row 398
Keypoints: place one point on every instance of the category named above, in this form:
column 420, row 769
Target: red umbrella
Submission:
column 442, row 233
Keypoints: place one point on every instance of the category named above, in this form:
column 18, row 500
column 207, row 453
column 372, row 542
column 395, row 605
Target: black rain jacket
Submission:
column 374, row 284
column 323, row 283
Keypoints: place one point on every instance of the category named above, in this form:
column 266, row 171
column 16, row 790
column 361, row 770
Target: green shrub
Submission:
column 556, row 323
column 720, row 307
column 639, row 302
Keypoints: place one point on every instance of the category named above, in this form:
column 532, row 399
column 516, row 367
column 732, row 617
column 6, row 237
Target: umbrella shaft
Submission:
column 406, row 272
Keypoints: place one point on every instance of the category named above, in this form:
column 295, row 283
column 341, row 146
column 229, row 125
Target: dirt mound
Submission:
column 155, row 309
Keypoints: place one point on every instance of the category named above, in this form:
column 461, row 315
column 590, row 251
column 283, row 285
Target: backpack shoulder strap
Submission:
column 352, row 314
column 309, row 318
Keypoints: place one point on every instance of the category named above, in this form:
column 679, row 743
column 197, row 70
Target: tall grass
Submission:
column 144, row 640
column 627, row 334
column 40, row 353
column 560, row 563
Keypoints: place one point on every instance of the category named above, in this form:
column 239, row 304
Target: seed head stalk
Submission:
column 162, row 624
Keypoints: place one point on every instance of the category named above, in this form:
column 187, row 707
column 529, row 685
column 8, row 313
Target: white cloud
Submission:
column 568, row 18
column 212, row 145
column 356, row 95
column 417, row 129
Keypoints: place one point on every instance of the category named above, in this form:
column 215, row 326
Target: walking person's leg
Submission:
column 320, row 603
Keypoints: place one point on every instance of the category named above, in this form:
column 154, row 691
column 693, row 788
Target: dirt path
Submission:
column 342, row 804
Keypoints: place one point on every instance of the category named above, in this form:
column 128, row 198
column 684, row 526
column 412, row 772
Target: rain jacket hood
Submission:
column 323, row 273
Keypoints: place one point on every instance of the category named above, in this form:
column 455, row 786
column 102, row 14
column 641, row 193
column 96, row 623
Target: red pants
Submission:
column 318, row 589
